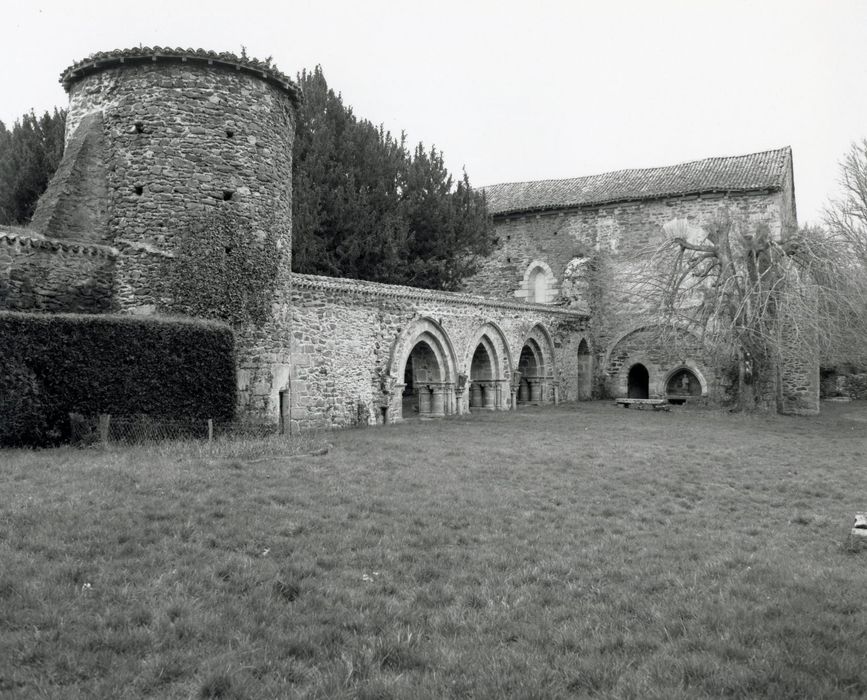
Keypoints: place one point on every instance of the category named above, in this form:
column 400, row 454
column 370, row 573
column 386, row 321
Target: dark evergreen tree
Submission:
column 29, row 154
column 365, row 207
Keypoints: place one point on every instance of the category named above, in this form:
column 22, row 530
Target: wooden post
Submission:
column 210, row 429
column 104, row 420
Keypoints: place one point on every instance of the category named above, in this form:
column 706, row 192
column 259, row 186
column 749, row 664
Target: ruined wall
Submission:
column 618, row 235
column 75, row 204
column 38, row 274
column 349, row 336
column 620, row 229
column 663, row 358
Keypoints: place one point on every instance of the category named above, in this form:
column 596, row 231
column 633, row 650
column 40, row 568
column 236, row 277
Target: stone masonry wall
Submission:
column 181, row 140
column 621, row 232
column 39, row 274
column 621, row 229
column 345, row 334
column 662, row 360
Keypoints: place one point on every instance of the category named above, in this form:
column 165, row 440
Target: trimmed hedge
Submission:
column 55, row 364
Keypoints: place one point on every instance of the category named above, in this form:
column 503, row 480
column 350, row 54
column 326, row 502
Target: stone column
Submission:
column 475, row 395
column 460, row 388
column 450, row 399
column 514, row 385
column 535, row 389
column 395, row 413
column 489, row 394
column 438, row 401
column 424, row 400
column 556, row 386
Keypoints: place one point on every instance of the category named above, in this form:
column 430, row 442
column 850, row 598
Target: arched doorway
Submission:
column 638, row 382
column 482, row 387
column 530, row 367
column 488, row 368
column 421, row 374
column 421, row 377
column 584, row 372
column 682, row 385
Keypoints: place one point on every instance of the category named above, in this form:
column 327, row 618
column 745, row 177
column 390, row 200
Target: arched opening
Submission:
column 422, row 372
column 488, row 369
column 422, row 377
column 682, row 385
column 638, row 382
column 482, row 388
column 537, row 286
column 584, row 372
column 530, row 367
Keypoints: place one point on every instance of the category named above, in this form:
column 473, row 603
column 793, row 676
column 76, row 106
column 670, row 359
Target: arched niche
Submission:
column 684, row 383
column 423, row 360
column 538, row 285
column 488, row 368
column 662, row 355
column 536, row 367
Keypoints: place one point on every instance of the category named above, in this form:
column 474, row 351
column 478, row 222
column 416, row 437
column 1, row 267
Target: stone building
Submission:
column 548, row 231
column 161, row 141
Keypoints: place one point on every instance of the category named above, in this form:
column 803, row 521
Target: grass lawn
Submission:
column 558, row 552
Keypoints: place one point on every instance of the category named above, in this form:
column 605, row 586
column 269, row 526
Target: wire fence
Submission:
column 125, row 429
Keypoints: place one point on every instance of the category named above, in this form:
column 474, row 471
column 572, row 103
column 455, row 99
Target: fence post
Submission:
column 104, row 420
column 210, row 429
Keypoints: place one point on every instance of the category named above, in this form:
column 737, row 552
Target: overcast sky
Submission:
column 517, row 91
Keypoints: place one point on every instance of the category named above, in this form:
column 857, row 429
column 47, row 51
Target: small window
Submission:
column 537, row 286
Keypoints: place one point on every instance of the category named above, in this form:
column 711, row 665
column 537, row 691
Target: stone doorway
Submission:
column 483, row 389
column 532, row 375
column 638, row 382
column 423, row 376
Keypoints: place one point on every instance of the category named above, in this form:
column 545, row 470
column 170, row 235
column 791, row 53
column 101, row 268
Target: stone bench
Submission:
column 655, row 404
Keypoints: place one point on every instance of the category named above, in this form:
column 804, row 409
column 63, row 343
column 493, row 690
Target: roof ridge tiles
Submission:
column 741, row 173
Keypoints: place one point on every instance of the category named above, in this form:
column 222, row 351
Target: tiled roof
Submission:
column 110, row 59
column 755, row 171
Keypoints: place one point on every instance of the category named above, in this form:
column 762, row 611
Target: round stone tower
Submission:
column 180, row 162
column 177, row 135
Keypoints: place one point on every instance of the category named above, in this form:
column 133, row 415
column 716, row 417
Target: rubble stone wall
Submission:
column 558, row 237
column 180, row 141
column 39, row 274
column 350, row 339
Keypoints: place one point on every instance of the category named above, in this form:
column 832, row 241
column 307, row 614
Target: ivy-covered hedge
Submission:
column 55, row 364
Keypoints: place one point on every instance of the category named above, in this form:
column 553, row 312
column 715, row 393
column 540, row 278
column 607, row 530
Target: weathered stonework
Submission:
column 550, row 233
column 40, row 274
column 162, row 141
column 351, row 341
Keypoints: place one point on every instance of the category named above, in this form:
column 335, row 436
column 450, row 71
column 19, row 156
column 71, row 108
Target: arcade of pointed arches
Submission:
column 428, row 381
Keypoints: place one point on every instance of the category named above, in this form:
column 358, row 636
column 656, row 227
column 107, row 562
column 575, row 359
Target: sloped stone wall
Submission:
column 75, row 205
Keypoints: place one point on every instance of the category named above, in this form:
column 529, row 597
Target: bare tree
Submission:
column 845, row 305
column 846, row 217
column 749, row 296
